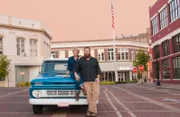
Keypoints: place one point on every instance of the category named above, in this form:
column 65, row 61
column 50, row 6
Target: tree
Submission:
column 4, row 67
column 142, row 58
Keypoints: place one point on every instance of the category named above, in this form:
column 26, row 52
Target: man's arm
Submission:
column 98, row 69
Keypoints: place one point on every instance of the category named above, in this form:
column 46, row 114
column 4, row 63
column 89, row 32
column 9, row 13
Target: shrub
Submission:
column 105, row 83
column 23, row 84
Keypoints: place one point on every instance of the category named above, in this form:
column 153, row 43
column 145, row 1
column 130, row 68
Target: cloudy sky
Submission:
column 83, row 19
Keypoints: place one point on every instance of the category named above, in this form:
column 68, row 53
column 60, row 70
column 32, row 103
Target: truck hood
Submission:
column 52, row 79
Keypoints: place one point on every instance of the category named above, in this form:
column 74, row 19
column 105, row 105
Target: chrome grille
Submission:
column 60, row 93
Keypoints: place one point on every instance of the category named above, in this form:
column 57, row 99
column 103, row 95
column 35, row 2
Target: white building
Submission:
column 102, row 49
column 26, row 43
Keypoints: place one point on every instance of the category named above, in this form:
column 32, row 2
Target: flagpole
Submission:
column 114, row 43
column 114, row 49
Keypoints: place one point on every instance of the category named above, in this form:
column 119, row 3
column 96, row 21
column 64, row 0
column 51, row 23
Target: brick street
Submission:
column 120, row 100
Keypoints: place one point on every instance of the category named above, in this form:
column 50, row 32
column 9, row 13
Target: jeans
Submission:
column 78, row 83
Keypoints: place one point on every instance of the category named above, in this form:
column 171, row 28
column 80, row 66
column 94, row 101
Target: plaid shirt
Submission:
column 89, row 69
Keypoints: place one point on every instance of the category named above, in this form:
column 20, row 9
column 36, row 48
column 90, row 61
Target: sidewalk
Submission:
column 163, row 85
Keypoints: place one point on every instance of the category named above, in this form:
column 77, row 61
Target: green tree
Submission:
column 142, row 58
column 4, row 67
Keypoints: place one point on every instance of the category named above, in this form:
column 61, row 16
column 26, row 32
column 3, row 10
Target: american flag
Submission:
column 112, row 11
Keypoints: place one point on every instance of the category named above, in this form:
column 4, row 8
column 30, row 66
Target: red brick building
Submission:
column 165, row 35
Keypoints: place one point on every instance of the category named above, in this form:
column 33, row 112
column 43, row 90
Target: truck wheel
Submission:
column 37, row 109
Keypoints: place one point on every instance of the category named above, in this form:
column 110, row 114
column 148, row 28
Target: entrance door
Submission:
column 120, row 76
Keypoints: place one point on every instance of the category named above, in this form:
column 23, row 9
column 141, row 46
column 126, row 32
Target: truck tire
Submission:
column 37, row 109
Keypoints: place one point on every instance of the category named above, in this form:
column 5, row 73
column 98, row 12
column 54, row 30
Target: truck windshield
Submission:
column 54, row 67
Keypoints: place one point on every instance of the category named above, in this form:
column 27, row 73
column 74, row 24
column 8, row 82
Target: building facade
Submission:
column 126, row 50
column 165, row 30
column 26, row 43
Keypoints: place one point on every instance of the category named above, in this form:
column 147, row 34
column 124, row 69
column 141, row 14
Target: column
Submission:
column 171, row 68
column 106, row 54
column 124, row 79
column 161, row 50
column 160, row 70
column 171, row 46
column 130, row 75
column 104, row 76
column 56, row 54
column 96, row 53
column 66, row 54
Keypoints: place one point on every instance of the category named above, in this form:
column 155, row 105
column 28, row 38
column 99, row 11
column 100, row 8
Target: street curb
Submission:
column 160, row 87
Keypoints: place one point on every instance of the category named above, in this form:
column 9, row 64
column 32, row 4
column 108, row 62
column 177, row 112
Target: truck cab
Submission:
column 51, row 87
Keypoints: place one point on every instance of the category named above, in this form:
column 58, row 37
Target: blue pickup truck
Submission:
column 51, row 87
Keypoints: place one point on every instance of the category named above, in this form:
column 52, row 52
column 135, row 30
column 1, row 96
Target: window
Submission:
column 33, row 47
column 163, row 18
column 176, row 43
column 101, row 54
column 176, row 67
column 166, row 69
column 20, row 46
column 155, row 25
column 62, row 54
column 132, row 54
column 156, row 52
column 45, row 50
column 123, row 54
column 110, row 54
column 174, row 10
column 1, row 45
column 166, row 48
column 53, row 55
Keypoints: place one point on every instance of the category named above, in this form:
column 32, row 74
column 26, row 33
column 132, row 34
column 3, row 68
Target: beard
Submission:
column 87, row 55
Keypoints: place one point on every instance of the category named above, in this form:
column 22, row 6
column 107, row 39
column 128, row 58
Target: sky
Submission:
column 71, row 20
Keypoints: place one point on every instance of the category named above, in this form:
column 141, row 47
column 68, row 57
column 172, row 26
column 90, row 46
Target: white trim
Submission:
column 57, row 101
column 162, row 8
column 169, row 36
column 169, row 1
column 153, row 16
column 99, row 44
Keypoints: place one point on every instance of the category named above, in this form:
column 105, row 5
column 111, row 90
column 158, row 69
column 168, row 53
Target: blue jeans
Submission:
column 78, row 83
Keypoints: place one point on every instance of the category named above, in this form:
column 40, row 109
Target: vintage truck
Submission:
column 51, row 87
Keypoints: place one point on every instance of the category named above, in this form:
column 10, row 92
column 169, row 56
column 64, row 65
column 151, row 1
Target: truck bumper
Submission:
column 57, row 101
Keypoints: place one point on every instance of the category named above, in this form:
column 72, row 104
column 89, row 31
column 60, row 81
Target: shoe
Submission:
column 84, row 91
column 88, row 114
column 77, row 96
column 93, row 114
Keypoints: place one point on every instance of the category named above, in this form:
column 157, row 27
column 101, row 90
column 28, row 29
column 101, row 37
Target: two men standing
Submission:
column 89, row 69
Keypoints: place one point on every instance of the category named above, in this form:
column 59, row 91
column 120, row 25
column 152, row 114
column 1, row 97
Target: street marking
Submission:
column 127, row 109
column 13, row 93
column 59, row 114
column 174, row 109
column 169, row 99
column 113, row 106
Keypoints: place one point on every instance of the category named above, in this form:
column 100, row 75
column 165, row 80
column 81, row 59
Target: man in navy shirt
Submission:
column 71, row 63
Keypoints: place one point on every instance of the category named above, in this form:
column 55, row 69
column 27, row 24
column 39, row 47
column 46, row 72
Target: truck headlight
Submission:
column 37, row 93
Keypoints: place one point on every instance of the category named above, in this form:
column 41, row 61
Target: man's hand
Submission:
column 97, row 80
column 77, row 77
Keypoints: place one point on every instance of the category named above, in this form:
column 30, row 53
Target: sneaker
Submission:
column 93, row 114
column 88, row 114
column 77, row 96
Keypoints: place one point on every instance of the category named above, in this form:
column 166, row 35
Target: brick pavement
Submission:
column 120, row 100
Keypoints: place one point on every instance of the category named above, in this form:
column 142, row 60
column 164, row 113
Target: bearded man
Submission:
column 89, row 69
